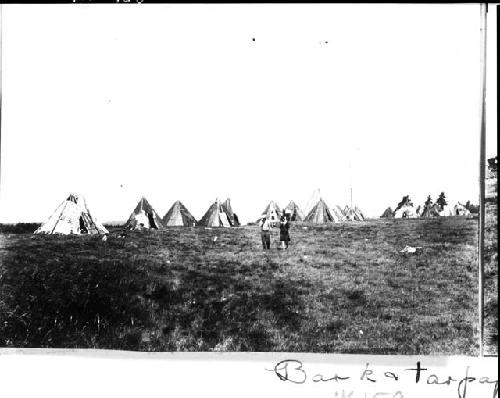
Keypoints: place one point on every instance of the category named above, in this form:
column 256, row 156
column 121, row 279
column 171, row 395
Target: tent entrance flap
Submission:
column 83, row 229
column 151, row 220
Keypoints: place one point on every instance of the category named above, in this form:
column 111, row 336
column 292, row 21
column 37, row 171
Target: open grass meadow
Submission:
column 491, row 277
column 340, row 288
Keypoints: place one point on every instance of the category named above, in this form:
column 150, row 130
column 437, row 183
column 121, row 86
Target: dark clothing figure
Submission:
column 265, row 232
column 284, row 234
column 266, row 240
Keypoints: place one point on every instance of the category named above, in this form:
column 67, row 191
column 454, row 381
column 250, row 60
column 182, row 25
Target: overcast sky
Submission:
column 254, row 102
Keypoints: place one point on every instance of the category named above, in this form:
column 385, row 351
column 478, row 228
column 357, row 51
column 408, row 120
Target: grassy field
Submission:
column 491, row 278
column 342, row 288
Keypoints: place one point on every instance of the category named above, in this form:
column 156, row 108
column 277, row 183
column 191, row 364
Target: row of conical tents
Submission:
column 407, row 210
column 72, row 216
column 320, row 213
column 144, row 216
column 219, row 214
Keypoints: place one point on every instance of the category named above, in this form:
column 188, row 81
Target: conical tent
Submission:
column 335, row 216
column 233, row 218
column 405, row 211
column 431, row 210
column 215, row 216
column 405, row 208
column 353, row 214
column 178, row 215
column 320, row 214
column 388, row 213
column 294, row 212
column 338, row 212
column 313, row 201
column 460, row 210
column 271, row 212
column 359, row 213
column 446, row 211
column 144, row 217
column 72, row 217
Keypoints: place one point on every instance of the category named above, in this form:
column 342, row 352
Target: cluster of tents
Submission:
column 72, row 216
column 320, row 213
column 406, row 209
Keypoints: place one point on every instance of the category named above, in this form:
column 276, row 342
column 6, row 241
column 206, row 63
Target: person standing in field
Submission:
column 102, row 245
column 265, row 232
column 284, row 234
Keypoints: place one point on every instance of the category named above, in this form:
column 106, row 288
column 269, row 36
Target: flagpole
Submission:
column 350, row 176
column 1, row 88
column 482, row 166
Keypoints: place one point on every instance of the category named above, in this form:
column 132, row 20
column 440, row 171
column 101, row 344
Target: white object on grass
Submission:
column 410, row 249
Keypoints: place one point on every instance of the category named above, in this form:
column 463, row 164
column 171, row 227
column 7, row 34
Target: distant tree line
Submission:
column 19, row 228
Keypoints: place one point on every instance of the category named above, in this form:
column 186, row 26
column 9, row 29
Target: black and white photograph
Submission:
column 249, row 178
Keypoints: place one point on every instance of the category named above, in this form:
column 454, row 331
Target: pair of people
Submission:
column 266, row 226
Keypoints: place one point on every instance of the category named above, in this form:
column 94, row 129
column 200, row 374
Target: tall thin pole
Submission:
column 350, row 181
column 482, row 169
column 1, row 61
